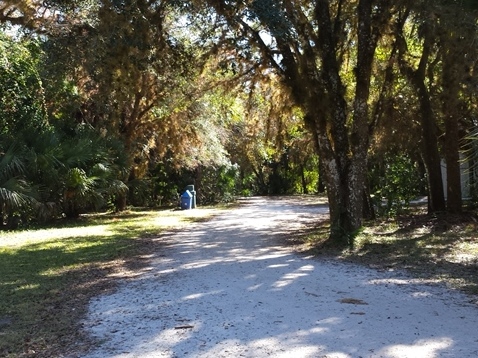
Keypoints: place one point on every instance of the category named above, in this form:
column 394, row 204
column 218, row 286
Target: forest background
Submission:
column 106, row 104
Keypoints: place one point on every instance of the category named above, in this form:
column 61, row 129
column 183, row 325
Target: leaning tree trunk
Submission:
column 430, row 153
column 429, row 142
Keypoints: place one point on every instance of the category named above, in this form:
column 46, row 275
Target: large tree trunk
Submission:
column 429, row 144
column 430, row 153
column 330, row 124
column 344, row 182
column 345, row 156
column 120, row 202
column 450, row 95
column 452, row 158
column 344, row 220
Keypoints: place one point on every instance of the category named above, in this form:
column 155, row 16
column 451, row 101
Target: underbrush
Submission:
column 435, row 248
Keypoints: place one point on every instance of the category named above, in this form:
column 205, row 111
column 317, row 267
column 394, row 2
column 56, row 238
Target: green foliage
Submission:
column 471, row 159
column 22, row 102
column 396, row 182
column 217, row 185
column 46, row 171
column 140, row 192
column 280, row 180
column 16, row 193
column 22, row 118
column 90, row 166
column 269, row 12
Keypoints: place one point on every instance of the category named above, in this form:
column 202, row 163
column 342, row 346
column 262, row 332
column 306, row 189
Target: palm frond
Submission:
column 470, row 155
column 11, row 163
column 116, row 187
column 16, row 194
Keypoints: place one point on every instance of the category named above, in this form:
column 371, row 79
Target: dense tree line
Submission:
column 111, row 103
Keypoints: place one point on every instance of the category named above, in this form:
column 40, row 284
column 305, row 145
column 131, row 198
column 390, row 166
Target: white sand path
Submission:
column 226, row 288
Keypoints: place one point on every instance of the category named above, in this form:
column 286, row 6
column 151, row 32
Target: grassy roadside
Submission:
column 47, row 276
column 433, row 248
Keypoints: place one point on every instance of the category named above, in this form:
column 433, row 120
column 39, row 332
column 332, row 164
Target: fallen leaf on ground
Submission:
column 353, row 301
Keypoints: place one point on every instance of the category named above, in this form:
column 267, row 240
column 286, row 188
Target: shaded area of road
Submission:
column 225, row 288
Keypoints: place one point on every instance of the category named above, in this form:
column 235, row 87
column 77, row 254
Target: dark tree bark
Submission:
column 120, row 202
column 368, row 209
column 450, row 40
column 429, row 148
column 303, row 179
column 344, row 156
column 429, row 144
column 452, row 156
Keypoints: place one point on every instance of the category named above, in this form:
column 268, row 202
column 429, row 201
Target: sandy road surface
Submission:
column 225, row 288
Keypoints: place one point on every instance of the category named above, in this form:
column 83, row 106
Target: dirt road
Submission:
column 227, row 288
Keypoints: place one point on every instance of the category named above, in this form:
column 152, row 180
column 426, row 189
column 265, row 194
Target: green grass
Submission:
column 48, row 275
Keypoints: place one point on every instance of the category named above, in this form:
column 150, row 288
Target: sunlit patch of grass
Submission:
column 48, row 275
column 27, row 287
column 21, row 238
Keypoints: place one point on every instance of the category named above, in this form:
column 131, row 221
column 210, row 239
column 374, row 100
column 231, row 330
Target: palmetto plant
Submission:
column 471, row 159
column 16, row 193
column 89, row 172
column 79, row 192
column 47, row 173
